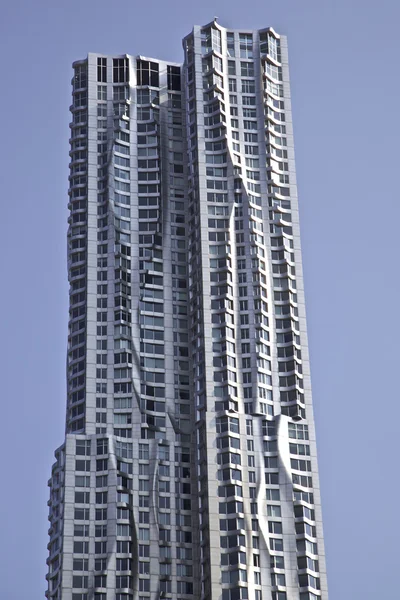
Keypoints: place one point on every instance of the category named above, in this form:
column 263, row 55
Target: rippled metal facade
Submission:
column 189, row 465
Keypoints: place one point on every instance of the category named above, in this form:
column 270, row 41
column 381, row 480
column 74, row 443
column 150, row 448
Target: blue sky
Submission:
column 344, row 57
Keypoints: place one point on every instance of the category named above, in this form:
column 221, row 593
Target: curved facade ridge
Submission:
column 189, row 465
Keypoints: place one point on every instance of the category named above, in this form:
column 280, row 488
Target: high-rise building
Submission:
column 189, row 466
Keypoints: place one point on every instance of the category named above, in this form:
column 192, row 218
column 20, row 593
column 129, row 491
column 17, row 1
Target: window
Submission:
column 273, row 71
column 125, row 581
column 246, row 45
column 81, row 514
column 144, row 551
column 123, row 530
column 268, row 428
column 247, row 69
column 82, row 497
column 147, row 73
column 120, row 92
column 270, row 446
column 303, row 496
column 144, row 517
column 277, row 562
column 227, row 423
column 174, row 78
column 270, row 462
column 163, row 452
column 79, row 581
column 302, row 449
column 298, row 431
column 82, row 481
column 83, row 447
column 309, row 596
column 300, row 465
column 164, row 518
column 279, row 596
column 230, row 41
column 101, row 514
column 248, row 86
column 249, row 427
column 82, row 564
column 232, row 85
column 231, row 67
column 81, row 547
column 275, row 88
column 165, row 535
column 273, row 510
column 102, row 69
column 309, row 580
column 123, row 449
column 101, row 480
column 273, row 495
column 276, row 544
column 216, row 39
column 102, row 464
column 81, row 530
column 101, row 92
column 273, row 48
column 102, row 446
column 163, row 487
column 101, row 497
column 144, row 567
column 306, row 546
column 206, row 41
column 120, row 70
column 275, row 527
column 305, row 562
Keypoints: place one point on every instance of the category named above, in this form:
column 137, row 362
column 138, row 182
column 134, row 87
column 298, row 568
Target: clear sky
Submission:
column 344, row 59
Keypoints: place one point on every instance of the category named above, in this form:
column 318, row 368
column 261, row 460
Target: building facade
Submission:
column 189, row 466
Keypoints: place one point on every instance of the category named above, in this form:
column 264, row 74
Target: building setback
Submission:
column 189, row 466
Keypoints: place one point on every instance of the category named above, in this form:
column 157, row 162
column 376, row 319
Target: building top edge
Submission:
column 82, row 61
column 215, row 23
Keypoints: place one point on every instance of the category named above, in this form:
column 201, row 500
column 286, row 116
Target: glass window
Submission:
column 276, row 544
column 174, row 78
column 298, row 431
column 273, row 510
column 216, row 39
column 247, row 69
column 80, row 77
column 230, row 41
column 246, row 45
column 83, row 447
column 120, row 92
column 206, row 45
column 248, row 86
column 147, row 73
column 273, row 47
column 101, row 92
column 120, row 70
column 102, row 70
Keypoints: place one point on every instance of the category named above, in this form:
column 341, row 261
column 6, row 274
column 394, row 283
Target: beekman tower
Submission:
column 189, row 467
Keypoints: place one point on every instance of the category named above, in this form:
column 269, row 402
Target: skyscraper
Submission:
column 189, row 467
